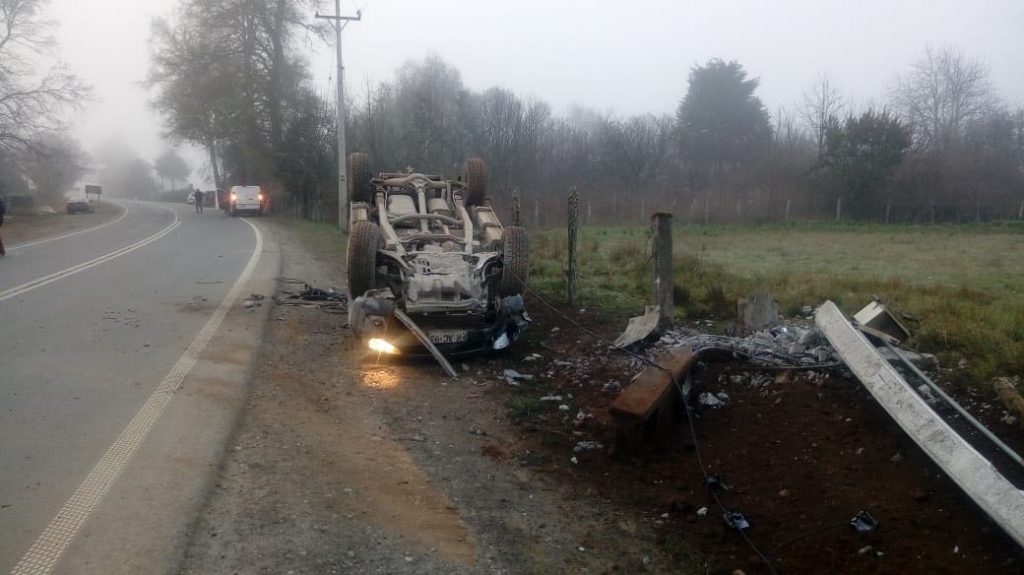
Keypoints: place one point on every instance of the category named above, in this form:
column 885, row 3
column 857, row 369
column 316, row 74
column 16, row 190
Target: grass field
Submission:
column 963, row 284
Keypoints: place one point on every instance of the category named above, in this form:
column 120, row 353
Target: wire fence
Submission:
column 601, row 208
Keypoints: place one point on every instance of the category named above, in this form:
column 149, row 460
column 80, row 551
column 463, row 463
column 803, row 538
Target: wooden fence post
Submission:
column 517, row 218
column 536, row 213
column 590, row 213
column 787, row 210
column 573, row 273
column 888, row 208
column 1020, row 211
column 706, row 209
column 661, row 286
column 839, row 208
column 643, row 209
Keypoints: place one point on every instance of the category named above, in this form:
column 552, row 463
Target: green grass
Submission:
column 324, row 240
column 963, row 283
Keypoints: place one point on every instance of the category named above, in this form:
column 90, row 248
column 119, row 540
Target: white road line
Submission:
column 48, row 279
column 47, row 550
column 92, row 229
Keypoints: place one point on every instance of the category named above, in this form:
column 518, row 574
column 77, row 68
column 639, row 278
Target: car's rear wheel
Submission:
column 359, row 189
column 363, row 240
column 515, row 254
column 474, row 175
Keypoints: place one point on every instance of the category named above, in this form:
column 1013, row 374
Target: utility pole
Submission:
column 342, row 179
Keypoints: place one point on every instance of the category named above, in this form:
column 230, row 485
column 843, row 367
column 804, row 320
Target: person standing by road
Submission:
column 3, row 211
column 199, row 201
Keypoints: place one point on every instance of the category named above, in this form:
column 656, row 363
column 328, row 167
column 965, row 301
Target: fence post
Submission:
column 536, row 213
column 573, row 275
column 517, row 218
column 787, row 210
column 643, row 209
column 839, row 208
column 888, row 208
column 1020, row 211
column 661, row 286
column 590, row 213
column 706, row 207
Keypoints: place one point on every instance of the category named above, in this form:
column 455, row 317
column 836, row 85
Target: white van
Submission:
column 246, row 199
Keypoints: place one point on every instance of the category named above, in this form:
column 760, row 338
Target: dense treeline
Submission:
column 229, row 76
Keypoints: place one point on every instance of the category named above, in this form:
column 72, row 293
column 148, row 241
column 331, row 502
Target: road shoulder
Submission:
column 346, row 466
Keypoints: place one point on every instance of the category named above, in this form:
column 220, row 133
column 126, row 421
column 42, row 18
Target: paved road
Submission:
column 92, row 327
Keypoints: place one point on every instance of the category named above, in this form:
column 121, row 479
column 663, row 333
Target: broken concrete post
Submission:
column 661, row 286
column 756, row 312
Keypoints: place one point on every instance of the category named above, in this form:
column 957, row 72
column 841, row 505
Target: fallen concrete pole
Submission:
column 650, row 403
column 982, row 482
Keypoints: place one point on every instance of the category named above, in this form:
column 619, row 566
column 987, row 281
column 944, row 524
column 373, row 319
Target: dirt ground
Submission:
column 21, row 228
column 343, row 465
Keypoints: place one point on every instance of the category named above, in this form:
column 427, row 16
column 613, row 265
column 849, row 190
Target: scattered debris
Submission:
column 612, row 387
column 736, row 520
column 875, row 319
column 512, row 376
column 587, row 446
column 329, row 300
column 551, row 398
column 702, row 512
column 639, row 328
column 710, row 400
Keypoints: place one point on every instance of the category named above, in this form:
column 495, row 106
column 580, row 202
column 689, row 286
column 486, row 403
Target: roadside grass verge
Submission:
column 961, row 284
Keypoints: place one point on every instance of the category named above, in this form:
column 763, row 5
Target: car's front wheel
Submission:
column 363, row 240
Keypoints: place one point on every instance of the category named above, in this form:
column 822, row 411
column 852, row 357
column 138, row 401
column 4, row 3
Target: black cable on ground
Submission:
column 708, row 480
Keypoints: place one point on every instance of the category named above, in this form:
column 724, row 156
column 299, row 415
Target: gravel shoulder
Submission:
column 341, row 465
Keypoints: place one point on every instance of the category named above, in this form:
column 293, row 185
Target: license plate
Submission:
column 449, row 336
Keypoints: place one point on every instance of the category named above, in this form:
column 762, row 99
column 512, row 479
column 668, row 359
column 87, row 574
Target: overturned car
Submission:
column 430, row 267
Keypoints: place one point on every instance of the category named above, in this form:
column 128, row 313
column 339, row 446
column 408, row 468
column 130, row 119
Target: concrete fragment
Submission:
column 639, row 327
column 755, row 313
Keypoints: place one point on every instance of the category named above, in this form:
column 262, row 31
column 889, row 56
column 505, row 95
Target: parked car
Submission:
column 79, row 205
column 190, row 199
column 246, row 199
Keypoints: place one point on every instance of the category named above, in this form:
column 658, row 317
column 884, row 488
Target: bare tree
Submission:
column 30, row 101
column 942, row 95
column 54, row 163
column 821, row 107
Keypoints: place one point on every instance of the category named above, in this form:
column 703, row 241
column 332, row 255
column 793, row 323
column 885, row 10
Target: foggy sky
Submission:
column 626, row 57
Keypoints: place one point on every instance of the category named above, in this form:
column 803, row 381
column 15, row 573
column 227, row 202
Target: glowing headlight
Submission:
column 381, row 346
column 234, row 196
column 259, row 197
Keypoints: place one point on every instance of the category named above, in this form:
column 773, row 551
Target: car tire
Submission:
column 474, row 176
column 515, row 255
column 359, row 188
column 363, row 241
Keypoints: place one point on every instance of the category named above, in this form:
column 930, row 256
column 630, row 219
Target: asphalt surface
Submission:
column 91, row 326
